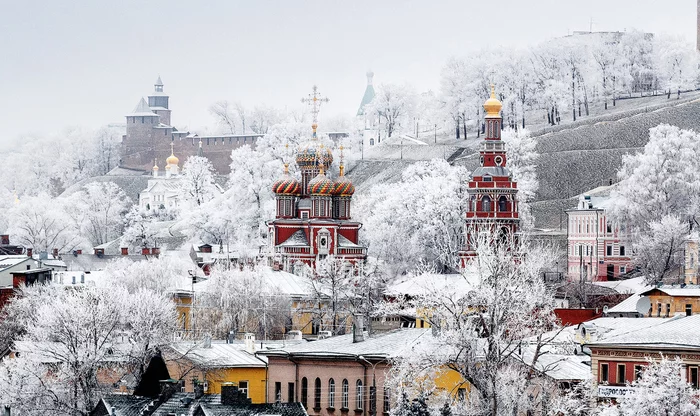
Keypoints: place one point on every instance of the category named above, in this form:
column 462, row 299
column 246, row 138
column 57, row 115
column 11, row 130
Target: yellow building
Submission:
column 215, row 363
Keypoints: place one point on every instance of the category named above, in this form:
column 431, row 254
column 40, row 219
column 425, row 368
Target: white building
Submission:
column 163, row 192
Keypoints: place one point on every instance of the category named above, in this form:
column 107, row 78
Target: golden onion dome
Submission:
column 492, row 106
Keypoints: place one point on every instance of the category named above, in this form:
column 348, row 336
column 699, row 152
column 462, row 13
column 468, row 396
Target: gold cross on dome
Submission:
column 315, row 100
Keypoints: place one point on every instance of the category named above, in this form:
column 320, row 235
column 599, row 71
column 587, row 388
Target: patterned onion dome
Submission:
column 343, row 187
column 321, row 185
column 313, row 153
column 287, row 185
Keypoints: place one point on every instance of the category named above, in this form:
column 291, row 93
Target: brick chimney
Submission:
column 125, row 251
column 55, row 253
column 146, row 251
column 5, row 240
column 30, row 251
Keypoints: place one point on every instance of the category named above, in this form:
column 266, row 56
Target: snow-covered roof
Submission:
column 142, row 109
column 671, row 332
column 429, row 283
column 219, row 355
column 297, row 239
column 11, row 260
column 606, row 328
column 78, row 278
column 628, row 305
column 276, row 282
column 344, row 242
column 677, row 290
column 560, row 367
column 634, row 285
column 172, row 185
column 386, row 345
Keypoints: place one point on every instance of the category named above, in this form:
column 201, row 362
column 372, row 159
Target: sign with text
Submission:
column 614, row 391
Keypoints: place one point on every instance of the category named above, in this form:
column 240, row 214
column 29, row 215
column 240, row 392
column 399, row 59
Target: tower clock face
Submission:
column 499, row 160
column 323, row 241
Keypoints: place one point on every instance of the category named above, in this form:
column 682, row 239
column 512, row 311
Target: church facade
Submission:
column 151, row 136
column 313, row 218
column 493, row 207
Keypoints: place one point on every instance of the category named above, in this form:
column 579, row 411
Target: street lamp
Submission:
column 373, row 389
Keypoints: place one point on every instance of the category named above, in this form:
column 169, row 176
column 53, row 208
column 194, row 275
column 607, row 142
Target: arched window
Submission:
column 331, row 393
column 502, row 204
column 346, row 394
column 304, row 391
column 359, row 394
column 486, row 204
column 371, row 142
column 317, row 393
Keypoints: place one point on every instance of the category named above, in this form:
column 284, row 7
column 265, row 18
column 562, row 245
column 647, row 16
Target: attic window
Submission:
column 488, row 178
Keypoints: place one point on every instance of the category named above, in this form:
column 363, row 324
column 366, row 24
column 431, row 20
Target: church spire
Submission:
column 314, row 101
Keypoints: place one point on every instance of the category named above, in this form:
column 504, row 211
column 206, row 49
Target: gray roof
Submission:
column 142, row 109
column 677, row 290
column 491, row 170
column 219, row 355
column 212, row 408
column 125, row 405
column 681, row 332
column 12, row 260
column 389, row 344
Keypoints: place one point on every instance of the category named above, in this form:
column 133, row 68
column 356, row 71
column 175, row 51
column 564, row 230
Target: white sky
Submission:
column 87, row 63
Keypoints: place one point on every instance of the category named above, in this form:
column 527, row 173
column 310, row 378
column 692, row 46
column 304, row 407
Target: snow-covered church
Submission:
column 313, row 215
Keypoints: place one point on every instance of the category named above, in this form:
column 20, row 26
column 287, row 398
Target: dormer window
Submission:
column 488, row 178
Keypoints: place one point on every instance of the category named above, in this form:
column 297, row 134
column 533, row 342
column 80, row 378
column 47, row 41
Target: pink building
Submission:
column 598, row 249
column 340, row 375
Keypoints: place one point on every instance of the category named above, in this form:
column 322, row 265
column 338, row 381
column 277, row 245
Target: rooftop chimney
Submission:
column 5, row 239
column 357, row 329
column 250, row 343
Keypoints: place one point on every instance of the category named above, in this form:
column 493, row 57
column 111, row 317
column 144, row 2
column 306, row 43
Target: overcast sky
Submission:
column 69, row 63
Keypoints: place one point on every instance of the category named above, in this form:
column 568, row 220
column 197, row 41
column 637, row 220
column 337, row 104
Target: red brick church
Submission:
column 313, row 218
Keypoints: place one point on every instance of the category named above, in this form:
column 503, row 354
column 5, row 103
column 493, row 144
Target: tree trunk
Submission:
column 464, row 125
column 457, row 129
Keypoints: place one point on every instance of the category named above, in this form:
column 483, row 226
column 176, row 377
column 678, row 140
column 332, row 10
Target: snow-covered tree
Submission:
column 139, row 228
column 394, row 104
column 657, row 185
column 481, row 324
column 198, row 180
column 98, row 210
column 661, row 390
column 74, row 344
column 239, row 301
column 522, row 159
column 40, row 222
column 418, row 219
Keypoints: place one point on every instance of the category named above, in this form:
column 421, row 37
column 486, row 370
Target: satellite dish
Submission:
column 643, row 305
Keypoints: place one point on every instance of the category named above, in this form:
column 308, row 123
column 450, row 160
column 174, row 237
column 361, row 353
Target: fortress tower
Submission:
column 150, row 135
